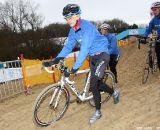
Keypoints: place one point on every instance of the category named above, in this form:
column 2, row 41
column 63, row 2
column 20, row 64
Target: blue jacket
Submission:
column 154, row 23
column 112, row 46
column 90, row 40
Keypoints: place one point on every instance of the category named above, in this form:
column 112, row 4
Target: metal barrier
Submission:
column 11, row 79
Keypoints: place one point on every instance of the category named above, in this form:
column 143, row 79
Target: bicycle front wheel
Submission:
column 155, row 67
column 108, row 79
column 155, row 64
column 50, row 105
column 145, row 75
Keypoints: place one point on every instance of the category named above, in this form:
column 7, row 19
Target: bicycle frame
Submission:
column 84, row 96
column 65, row 81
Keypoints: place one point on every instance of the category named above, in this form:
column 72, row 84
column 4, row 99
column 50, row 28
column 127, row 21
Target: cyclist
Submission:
column 92, row 44
column 112, row 46
column 154, row 24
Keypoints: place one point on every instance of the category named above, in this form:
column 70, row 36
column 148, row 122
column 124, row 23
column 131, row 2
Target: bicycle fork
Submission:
column 55, row 97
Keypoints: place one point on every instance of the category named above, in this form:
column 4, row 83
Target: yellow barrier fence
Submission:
column 33, row 74
column 130, row 40
column 123, row 43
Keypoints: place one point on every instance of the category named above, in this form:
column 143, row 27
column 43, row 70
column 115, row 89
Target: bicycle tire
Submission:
column 49, row 108
column 155, row 67
column 145, row 75
column 155, row 64
column 105, row 96
column 150, row 61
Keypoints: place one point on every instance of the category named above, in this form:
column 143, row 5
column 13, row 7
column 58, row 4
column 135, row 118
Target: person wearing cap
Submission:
column 113, row 48
column 92, row 44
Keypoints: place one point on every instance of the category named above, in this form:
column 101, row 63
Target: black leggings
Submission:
column 112, row 64
column 157, row 49
column 98, row 66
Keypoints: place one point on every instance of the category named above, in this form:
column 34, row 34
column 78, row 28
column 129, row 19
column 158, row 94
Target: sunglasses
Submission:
column 70, row 17
column 154, row 9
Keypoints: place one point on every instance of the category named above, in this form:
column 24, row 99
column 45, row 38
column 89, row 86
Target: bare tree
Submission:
column 34, row 20
column 4, row 19
column 20, row 15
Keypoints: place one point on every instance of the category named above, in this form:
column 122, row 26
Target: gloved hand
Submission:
column 143, row 40
column 67, row 73
column 50, row 63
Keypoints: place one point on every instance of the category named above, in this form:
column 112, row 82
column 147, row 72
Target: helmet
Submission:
column 105, row 26
column 155, row 5
column 71, row 9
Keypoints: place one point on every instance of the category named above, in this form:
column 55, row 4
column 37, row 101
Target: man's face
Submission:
column 72, row 20
column 104, row 31
column 156, row 11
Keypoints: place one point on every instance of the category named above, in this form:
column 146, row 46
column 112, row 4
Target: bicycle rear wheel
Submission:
column 145, row 75
column 50, row 105
column 109, row 79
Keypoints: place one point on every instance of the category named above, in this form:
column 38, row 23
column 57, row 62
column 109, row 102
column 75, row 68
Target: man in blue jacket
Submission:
column 112, row 47
column 155, row 24
column 92, row 44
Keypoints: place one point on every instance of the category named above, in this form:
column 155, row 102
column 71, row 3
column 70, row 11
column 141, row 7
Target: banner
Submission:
column 10, row 74
column 2, row 78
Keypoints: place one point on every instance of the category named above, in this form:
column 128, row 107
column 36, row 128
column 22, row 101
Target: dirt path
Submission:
column 139, row 104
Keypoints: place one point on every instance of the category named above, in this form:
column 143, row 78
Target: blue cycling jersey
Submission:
column 112, row 46
column 90, row 40
column 154, row 24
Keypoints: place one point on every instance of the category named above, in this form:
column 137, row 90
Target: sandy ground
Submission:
column 139, row 107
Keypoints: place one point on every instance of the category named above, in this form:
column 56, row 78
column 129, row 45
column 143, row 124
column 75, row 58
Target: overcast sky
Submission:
column 127, row 10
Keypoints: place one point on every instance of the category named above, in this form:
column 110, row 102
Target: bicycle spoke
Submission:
column 45, row 110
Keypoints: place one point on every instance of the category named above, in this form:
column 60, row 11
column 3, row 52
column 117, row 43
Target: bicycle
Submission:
column 151, row 60
column 52, row 103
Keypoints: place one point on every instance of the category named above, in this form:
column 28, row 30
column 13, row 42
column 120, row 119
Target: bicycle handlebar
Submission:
column 78, row 72
column 49, row 71
column 66, row 79
column 148, row 40
column 139, row 41
column 62, row 67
